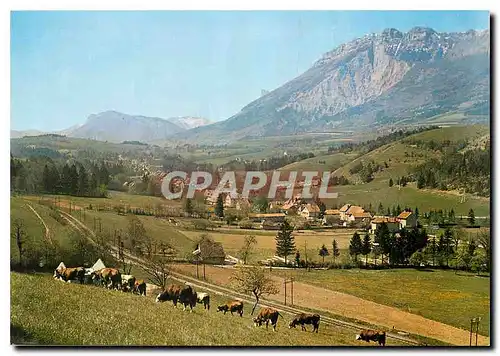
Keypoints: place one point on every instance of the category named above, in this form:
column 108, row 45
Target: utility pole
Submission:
column 286, row 281
column 474, row 322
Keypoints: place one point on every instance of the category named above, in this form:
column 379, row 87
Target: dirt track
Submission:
column 354, row 307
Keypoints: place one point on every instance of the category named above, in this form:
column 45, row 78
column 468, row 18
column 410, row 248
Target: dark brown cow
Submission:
column 67, row 274
column 140, row 287
column 372, row 335
column 234, row 306
column 266, row 315
column 171, row 293
column 109, row 277
column 304, row 319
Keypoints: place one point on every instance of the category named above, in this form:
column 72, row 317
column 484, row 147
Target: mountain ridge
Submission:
column 363, row 78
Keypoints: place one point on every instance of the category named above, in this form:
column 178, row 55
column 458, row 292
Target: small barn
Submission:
column 210, row 252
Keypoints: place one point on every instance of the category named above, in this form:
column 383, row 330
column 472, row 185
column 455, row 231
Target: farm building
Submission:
column 310, row 211
column 210, row 251
column 392, row 223
column 407, row 219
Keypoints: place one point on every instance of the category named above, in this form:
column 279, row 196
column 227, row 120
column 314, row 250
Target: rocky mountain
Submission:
column 372, row 81
column 114, row 126
column 189, row 122
column 22, row 133
column 118, row 127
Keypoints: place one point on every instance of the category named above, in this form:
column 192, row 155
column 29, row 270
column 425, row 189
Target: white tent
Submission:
column 98, row 265
column 61, row 265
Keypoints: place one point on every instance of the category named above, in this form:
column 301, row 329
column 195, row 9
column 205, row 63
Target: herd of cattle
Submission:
column 185, row 295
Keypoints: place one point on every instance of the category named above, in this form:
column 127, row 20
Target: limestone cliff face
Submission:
column 374, row 79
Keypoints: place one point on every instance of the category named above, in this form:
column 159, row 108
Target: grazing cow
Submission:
column 304, row 319
column 171, row 293
column 68, row 274
column 140, row 287
column 371, row 335
column 234, row 306
column 129, row 281
column 203, row 298
column 188, row 297
column 266, row 315
column 109, row 277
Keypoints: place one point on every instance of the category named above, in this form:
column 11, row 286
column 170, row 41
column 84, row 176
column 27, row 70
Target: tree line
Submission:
column 37, row 175
column 469, row 171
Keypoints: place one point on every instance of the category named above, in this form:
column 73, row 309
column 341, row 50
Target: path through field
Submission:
column 47, row 230
column 357, row 308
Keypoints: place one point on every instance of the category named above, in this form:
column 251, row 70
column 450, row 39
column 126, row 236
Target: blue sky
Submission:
column 68, row 65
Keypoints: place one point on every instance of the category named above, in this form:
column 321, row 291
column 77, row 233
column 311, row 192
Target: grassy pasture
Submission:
column 435, row 294
column 47, row 312
column 266, row 243
column 379, row 191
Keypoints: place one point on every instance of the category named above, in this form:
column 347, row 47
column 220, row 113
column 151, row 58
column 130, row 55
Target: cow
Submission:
column 109, row 277
column 266, row 315
column 68, row 274
column 203, row 298
column 304, row 319
column 128, row 282
column 234, row 306
column 372, row 335
column 170, row 293
column 188, row 297
column 140, row 287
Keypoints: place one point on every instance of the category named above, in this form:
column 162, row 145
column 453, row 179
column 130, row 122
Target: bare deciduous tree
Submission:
column 19, row 234
column 246, row 250
column 158, row 271
column 253, row 280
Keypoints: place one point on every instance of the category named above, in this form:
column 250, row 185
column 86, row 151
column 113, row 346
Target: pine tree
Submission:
column 323, row 251
column 56, row 180
column 391, row 183
column 398, row 210
column 73, row 180
column 46, row 180
column 219, row 207
column 83, row 184
column 322, row 209
column 388, row 211
column 103, row 175
column 416, row 213
column 356, row 246
column 188, row 207
column 335, row 250
column 380, row 209
column 472, row 217
column 420, row 181
column 366, row 247
column 285, row 242
column 382, row 237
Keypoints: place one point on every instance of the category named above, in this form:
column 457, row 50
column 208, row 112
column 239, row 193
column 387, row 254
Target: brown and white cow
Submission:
column 203, row 298
column 140, row 287
column 266, row 315
column 170, row 293
column 372, row 335
column 304, row 319
column 128, row 282
column 72, row 273
column 234, row 306
column 109, row 277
